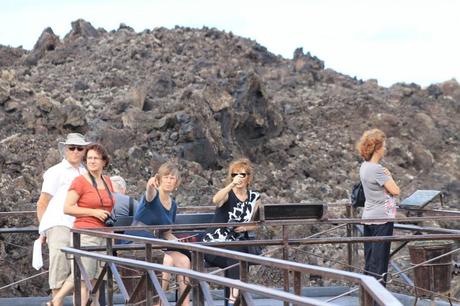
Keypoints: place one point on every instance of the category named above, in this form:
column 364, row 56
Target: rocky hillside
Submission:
column 204, row 97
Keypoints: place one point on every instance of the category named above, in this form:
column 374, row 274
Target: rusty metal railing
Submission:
column 201, row 279
column 371, row 289
column 447, row 234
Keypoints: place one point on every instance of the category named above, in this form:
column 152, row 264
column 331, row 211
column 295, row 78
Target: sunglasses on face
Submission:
column 242, row 174
column 76, row 148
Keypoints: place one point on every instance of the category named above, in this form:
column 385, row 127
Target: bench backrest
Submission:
column 197, row 218
column 124, row 221
column 294, row 211
column 194, row 218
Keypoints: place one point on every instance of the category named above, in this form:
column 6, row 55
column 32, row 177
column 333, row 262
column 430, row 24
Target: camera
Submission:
column 110, row 221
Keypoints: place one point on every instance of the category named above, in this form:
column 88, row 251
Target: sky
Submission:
column 411, row 41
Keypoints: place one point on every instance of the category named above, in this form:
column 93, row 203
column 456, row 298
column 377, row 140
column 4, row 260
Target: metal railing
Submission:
column 285, row 241
column 201, row 281
column 371, row 289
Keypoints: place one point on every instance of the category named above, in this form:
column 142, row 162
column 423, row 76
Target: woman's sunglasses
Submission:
column 76, row 148
column 242, row 174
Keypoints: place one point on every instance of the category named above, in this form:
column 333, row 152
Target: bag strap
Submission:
column 131, row 207
column 93, row 180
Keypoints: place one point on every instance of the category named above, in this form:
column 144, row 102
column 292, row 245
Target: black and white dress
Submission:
column 233, row 210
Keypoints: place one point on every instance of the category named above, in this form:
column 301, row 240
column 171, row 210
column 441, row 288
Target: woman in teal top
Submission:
column 157, row 207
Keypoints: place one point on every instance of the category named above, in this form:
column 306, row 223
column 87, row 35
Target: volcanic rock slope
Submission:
column 204, row 97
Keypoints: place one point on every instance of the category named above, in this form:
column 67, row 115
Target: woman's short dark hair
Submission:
column 169, row 168
column 100, row 150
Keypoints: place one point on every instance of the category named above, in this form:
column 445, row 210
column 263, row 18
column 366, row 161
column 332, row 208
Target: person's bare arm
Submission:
column 222, row 195
column 391, row 185
column 168, row 235
column 42, row 204
column 71, row 208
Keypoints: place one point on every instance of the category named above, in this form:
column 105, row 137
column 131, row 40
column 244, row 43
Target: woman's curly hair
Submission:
column 371, row 141
column 241, row 164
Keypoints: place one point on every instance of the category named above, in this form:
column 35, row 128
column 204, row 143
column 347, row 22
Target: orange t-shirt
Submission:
column 90, row 199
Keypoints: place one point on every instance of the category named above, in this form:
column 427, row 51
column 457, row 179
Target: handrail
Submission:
column 209, row 208
column 374, row 288
column 411, row 227
column 17, row 230
column 253, row 288
column 453, row 217
column 18, row 212
column 299, row 241
column 285, row 222
column 194, row 208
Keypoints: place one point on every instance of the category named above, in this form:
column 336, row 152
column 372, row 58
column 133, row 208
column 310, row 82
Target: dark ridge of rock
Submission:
column 9, row 56
column 81, row 29
column 48, row 41
column 204, row 97
column 306, row 62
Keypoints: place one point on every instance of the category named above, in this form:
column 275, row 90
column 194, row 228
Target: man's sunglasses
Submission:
column 76, row 148
column 242, row 174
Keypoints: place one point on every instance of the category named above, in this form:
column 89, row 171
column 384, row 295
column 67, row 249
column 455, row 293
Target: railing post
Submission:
column 286, row 257
column 76, row 269
column 365, row 299
column 350, row 246
column 297, row 283
column 244, row 269
column 262, row 213
column 354, row 246
column 197, row 265
column 148, row 284
column 109, row 275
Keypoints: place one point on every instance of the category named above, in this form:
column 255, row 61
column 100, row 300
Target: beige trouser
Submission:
column 59, row 267
column 92, row 266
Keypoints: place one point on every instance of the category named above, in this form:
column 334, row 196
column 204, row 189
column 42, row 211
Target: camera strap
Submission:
column 93, row 180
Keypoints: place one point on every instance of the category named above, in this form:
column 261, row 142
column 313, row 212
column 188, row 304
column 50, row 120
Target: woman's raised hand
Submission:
column 153, row 182
column 237, row 180
column 152, row 185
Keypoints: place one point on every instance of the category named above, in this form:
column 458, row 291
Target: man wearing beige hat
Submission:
column 54, row 225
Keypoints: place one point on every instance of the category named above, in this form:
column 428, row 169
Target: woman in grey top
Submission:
column 380, row 190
